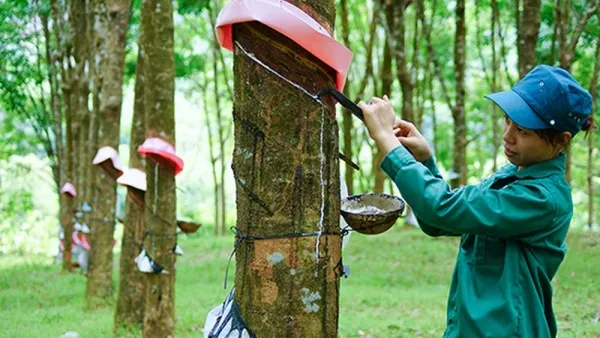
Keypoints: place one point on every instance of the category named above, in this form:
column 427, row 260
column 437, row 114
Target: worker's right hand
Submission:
column 412, row 139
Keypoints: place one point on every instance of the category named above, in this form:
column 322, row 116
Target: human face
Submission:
column 523, row 147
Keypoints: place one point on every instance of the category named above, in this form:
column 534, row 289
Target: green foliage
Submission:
column 192, row 6
column 27, row 216
column 23, row 116
column 185, row 66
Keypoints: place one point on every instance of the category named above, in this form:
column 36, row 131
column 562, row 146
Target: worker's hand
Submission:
column 412, row 139
column 379, row 119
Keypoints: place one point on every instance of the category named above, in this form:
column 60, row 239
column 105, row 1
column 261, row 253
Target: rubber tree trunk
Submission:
column 66, row 220
column 459, row 165
column 286, row 169
column 346, row 114
column 160, row 211
column 528, row 29
column 132, row 285
column 100, row 286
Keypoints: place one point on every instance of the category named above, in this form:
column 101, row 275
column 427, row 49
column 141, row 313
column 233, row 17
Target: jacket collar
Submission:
column 553, row 166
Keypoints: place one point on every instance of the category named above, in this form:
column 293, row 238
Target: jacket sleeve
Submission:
column 518, row 209
column 426, row 228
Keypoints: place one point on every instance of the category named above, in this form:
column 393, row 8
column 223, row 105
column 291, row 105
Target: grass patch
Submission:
column 397, row 288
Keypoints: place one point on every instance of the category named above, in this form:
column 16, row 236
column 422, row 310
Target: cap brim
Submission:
column 518, row 110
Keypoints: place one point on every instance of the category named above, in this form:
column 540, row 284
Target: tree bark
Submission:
column 59, row 166
column 160, row 198
column 567, row 46
column 63, row 45
column 347, row 122
column 211, row 153
column 66, row 219
column 100, row 288
column 220, row 129
column 495, row 65
column 555, row 30
column 132, row 284
column 287, row 174
column 459, row 164
column 590, row 135
column 527, row 35
column 387, row 78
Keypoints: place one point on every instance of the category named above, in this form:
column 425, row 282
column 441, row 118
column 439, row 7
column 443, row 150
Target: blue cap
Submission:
column 546, row 98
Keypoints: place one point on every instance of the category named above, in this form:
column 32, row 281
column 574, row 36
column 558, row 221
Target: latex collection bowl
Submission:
column 371, row 213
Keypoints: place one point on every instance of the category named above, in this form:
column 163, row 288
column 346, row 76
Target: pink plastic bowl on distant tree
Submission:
column 161, row 152
column 69, row 189
column 290, row 21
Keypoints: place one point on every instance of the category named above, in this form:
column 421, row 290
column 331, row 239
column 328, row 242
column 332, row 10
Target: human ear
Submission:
column 566, row 137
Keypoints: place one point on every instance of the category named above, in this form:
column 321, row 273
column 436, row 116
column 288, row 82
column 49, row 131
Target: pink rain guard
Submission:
column 136, row 179
column 161, row 152
column 290, row 21
column 76, row 239
column 79, row 238
column 69, row 189
column 106, row 154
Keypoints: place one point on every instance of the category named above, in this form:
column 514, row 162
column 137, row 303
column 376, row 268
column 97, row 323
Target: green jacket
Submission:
column 513, row 227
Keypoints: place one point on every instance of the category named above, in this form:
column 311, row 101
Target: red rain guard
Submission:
column 290, row 21
column 163, row 153
column 69, row 189
column 108, row 159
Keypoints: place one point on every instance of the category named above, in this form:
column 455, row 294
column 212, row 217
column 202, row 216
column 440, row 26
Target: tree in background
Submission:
column 132, row 284
column 99, row 286
column 160, row 210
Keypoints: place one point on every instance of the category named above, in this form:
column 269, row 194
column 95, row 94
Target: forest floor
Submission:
column 397, row 288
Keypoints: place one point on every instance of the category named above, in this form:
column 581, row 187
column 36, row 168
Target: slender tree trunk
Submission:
column 406, row 82
column 590, row 166
column 65, row 93
column 504, row 53
column 220, row 129
column 433, row 111
column 495, row 66
column 555, row 31
column 96, row 40
column 66, row 219
column 219, row 227
column 211, row 153
column 80, row 91
column 346, row 114
column 387, row 79
column 459, row 165
column 132, row 284
column 417, row 80
column 287, row 175
column 55, row 105
column 160, row 211
column 100, row 288
column 567, row 45
column 59, row 167
column 527, row 35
